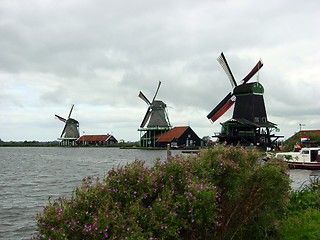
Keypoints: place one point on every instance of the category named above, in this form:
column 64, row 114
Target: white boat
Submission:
column 306, row 158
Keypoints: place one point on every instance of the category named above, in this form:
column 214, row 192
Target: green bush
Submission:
column 224, row 192
column 302, row 218
column 301, row 225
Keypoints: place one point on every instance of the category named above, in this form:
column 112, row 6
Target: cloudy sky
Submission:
column 98, row 55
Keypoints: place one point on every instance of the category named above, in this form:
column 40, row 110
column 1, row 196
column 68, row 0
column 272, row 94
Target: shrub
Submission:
column 302, row 218
column 224, row 192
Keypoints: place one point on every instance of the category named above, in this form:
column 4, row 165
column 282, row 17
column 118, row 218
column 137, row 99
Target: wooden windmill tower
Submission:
column 249, row 124
column 157, row 118
column 70, row 132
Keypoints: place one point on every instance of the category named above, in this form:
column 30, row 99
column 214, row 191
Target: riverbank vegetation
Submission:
column 29, row 144
column 224, row 192
column 301, row 219
column 289, row 144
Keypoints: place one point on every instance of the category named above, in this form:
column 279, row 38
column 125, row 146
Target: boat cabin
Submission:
column 304, row 155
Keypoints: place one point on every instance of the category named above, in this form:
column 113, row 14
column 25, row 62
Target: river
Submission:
column 30, row 175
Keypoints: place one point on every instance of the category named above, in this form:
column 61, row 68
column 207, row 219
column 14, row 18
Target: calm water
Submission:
column 28, row 176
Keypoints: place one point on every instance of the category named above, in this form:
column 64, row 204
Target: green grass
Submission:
column 302, row 217
column 304, row 224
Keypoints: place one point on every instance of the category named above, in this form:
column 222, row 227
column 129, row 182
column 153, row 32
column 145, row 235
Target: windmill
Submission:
column 249, row 124
column 70, row 132
column 157, row 118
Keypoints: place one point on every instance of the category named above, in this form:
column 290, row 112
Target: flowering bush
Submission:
column 222, row 193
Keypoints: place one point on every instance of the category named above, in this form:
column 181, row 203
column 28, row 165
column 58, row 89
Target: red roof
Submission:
column 175, row 132
column 94, row 138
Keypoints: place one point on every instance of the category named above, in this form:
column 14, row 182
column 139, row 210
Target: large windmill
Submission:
column 157, row 118
column 70, row 132
column 249, row 124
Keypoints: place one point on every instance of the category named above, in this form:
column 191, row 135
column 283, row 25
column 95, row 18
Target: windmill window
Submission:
column 256, row 119
column 264, row 119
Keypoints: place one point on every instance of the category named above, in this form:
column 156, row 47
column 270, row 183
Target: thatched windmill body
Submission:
column 249, row 124
column 155, row 121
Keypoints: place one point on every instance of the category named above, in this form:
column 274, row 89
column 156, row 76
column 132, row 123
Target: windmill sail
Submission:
column 64, row 130
column 154, row 97
column 229, row 100
column 146, row 118
column 70, row 111
column 221, row 108
column 144, row 98
column 254, row 70
column 61, row 118
column 224, row 64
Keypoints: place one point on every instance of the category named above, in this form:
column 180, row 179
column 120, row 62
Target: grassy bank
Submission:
column 301, row 219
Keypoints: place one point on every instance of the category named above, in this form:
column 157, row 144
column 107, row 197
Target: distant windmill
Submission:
column 156, row 112
column 71, row 128
column 249, row 123
column 157, row 118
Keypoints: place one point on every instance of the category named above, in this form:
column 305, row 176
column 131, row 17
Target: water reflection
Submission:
column 302, row 177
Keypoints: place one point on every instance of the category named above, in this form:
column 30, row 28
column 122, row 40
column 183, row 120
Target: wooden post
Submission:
column 168, row 151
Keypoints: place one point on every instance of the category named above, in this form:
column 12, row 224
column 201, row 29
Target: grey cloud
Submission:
column 99, row 55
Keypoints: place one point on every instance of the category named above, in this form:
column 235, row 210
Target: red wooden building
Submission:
column 97, row 140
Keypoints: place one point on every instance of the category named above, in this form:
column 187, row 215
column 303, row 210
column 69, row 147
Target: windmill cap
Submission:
column 249, row 88
column 158, row 103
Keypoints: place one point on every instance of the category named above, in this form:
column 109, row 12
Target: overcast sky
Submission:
column 98, row 55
